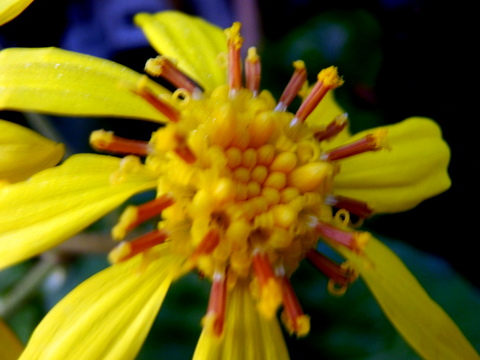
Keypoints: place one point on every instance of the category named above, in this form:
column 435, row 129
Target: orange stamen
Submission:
column 166, row 109
column 327, row 79
column 262, row 267
column 293, row 316
column 293, row 87
column 353, row 206
column 185, row 153
column 161, row 66
column 150, row 209
column 215, row 316
column 354, row 240
column 127, row 250
column 208, row 244
column 339, row 275
column 106, row 141
column 253, row 71
column 332, row 129
column 234, row 45
column 370, row 142
column 270, row 289
column 136, row 215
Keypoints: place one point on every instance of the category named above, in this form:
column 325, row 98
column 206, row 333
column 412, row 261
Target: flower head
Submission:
column 245, row 190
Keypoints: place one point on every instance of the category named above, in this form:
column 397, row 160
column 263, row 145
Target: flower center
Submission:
column 244, row 186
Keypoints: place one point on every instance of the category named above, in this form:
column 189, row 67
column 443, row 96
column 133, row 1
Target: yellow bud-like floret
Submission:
column 265, row 154
column 238, row 232
column 271, row 194
column 241, row 174
column 249, row 158
column 253, row 189
column 234, row 157
column 284, row 162
column 223, row 190
column 284, row 215
column 288, row 194
column 276, row 180
column 221, row 125
column 259, row 173
column 308, row 177
column 261, row 128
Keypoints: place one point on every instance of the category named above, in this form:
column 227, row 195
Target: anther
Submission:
column 370, row 142
column 253, row 71
column 356, row 207
column 340, row 276
column 234, row 66
column 295, row 321
column 353, row 240
column 293, row 87
column 327, row 79
column 215, row 316
column 106, row 141
column 332, row 129
column 127, row 250
column 136, row 215
column 166, row 109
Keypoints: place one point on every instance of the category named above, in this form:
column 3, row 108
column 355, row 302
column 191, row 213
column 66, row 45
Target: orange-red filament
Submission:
column 150, row 209
column 185, row 153
column 293, row 314
column 332, row 129
column 332, row 270
column 353, row 206
column 143, row 243
column 349, row 239
column 311, row 101
column 369, row 142
column 216, row 302
column 234, row 65
column 262, row 267
column 166, row 109
column 252, row 71
column 163, row 67
column 293, row 87
column 208, row 243
column 119, row 145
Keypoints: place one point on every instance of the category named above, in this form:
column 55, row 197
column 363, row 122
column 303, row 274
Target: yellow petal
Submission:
column 10, row 346
column 23, row 152
column 246, row 335
column 391, row 181
column 56, row 81
column 59, row 202
column 419, row 319
column 193, row 42
column 108, row 316
column 10, row 9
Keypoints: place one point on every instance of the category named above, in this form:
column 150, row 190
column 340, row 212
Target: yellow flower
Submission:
column 23, row 152
column 244, row 188
column 10, row 9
